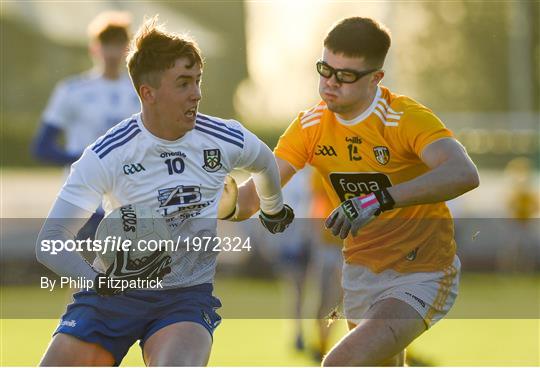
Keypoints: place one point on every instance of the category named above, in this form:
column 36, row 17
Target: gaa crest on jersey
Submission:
column 130, row 169
column 382, row 154
column 323, row 150
column 212, row 160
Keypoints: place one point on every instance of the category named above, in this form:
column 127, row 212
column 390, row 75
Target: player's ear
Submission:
column 147, row 93
column 377, row 77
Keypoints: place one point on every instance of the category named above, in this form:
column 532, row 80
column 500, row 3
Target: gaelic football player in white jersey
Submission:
column 174, row 159
column 83, row 107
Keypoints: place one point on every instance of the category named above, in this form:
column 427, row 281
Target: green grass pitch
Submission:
column 509, row 333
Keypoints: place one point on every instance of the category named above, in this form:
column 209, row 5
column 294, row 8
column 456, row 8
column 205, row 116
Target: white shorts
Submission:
column 431, row 294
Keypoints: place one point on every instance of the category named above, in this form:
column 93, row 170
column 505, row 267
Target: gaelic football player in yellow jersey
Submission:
column 388, row 165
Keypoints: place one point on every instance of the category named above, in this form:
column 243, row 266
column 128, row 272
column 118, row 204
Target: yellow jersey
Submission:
column 380, row 148
column 321, row 208
column 523, row 203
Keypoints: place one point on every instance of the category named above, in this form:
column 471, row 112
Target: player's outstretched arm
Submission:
column 451, row 174
column 56, row 117
column 63, row 223
column 45, row 146
column 248, row 201
column 259, row 160
column 79, row 197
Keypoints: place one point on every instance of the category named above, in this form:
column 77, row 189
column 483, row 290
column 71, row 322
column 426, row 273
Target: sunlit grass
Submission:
column 264, row 342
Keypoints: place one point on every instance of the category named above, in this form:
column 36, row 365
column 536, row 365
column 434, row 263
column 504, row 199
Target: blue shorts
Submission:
column 116, row 322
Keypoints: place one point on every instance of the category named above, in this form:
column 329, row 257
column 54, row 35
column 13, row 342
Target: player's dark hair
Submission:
column 153, row 50
column 359, row 37
column 110, row 27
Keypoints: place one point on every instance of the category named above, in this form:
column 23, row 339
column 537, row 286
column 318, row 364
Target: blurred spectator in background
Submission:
column 307, row 251
column 327, row 261
column 295, row 248
column 522, row 249
column 83, row 107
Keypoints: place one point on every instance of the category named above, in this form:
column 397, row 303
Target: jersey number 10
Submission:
column 175, row 165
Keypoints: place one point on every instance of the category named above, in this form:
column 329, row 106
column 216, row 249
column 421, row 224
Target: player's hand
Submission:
column 279, row 222
column 228, row 201
column 355, row 213
column 153, row 267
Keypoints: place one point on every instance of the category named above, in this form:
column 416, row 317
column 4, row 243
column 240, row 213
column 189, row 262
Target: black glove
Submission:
column 279, row 222
column 153, row 267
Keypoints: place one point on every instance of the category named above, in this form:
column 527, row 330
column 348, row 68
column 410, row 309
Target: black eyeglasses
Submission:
column 342, row 75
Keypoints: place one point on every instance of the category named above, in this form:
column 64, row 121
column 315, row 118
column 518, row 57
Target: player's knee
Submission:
column 67, row 350
column 184, row 360
column 359, row 359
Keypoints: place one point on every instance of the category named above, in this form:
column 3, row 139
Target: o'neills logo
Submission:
column 70, row 323
column 173, row 154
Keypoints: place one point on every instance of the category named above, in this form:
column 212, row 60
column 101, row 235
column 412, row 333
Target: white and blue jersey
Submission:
column 181, row 179
column 85, row 106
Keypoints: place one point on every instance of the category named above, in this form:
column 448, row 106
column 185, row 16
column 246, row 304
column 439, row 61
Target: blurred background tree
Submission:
column 34, row 58
column 474, row 56
column 476, row 64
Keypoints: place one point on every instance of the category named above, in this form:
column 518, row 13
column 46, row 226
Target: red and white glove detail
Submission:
column 355, row 213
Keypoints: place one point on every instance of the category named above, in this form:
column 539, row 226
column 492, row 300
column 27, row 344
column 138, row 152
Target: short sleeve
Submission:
column 57, row 112
column 87, row 182
column 252, row 146
column 292, row 146
column 421, row 127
